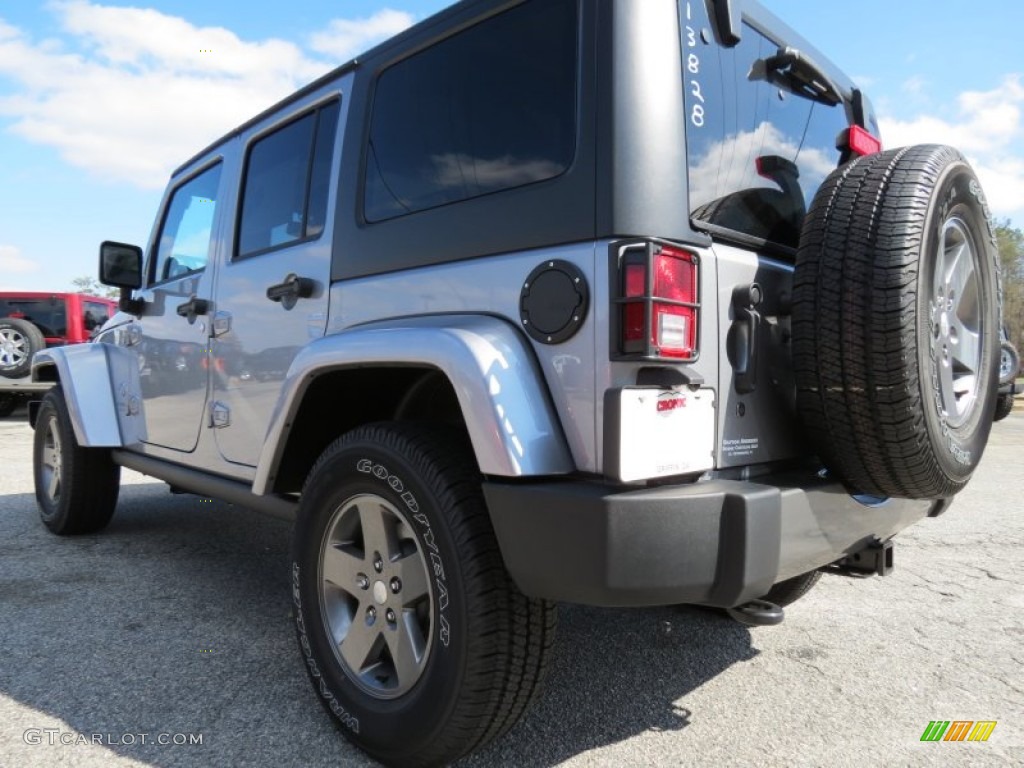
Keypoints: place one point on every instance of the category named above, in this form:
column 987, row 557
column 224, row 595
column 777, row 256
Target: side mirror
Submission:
column 121, row 267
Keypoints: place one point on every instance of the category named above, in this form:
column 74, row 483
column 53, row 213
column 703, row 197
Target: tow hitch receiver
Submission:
column 757, row 613
column 876, row 558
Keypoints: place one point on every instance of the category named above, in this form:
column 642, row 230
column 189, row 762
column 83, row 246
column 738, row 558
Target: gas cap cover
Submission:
column 553, row 302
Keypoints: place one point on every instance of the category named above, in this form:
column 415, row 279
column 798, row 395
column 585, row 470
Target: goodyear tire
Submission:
column 895, row 323
column 19, row 341
column 76, row 487
column 414, row 637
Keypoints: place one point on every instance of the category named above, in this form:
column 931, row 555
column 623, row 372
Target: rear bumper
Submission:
column 718, row 543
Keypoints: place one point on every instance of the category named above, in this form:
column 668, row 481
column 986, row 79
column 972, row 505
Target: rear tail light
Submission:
column 659, row 302
column 859, row 141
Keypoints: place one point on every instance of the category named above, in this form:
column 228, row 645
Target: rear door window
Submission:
column 488, row 109
column 757, row 152
column 287, row 176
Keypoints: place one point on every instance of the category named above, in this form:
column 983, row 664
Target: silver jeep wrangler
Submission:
column 614, row 302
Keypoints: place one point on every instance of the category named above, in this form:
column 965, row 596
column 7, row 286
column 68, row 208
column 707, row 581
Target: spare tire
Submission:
column 895, row 323
column 19, row 340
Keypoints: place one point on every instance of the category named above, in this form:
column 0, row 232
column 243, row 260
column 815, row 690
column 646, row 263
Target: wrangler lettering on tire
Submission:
column 895, row 323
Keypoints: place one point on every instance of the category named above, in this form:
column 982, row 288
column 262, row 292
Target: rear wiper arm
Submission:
column 796, row 72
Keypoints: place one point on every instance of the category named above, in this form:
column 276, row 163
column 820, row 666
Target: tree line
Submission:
column 1011, row 260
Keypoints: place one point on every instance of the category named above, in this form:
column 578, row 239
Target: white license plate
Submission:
column 663, row 432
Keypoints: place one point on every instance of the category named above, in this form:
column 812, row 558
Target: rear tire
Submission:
column 76, row 487
column 19, row 341
column 895, row 323
column 414, row 636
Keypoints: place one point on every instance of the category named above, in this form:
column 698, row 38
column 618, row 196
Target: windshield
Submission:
column 759, row 144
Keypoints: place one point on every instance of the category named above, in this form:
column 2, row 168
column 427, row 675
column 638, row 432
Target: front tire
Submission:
column 414, row 636
column 1004, row 407
column 76, row 487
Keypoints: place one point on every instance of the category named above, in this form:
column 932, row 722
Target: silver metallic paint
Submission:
column 510, row 418
column 101, row 388
column 492, row 286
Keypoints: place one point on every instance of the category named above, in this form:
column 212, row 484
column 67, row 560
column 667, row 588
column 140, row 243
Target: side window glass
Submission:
column 757, row 151
column 95, row 314
column 488, row 109
column 286, row 183
column 320, row 176
column 183, row 247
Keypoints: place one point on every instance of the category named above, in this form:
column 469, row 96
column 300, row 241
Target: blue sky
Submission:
column 100, row 99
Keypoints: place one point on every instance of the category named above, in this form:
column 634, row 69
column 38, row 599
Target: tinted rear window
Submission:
column 739, row 123
column 488, row 109
column 49, row 315
column 286, row 183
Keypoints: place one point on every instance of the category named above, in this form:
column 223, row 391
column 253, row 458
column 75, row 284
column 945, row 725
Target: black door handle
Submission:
column 291, row 290
column 193, row 308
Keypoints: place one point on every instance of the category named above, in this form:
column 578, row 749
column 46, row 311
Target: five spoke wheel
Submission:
column 375, row 596
column 50, row 460
column 956, row 321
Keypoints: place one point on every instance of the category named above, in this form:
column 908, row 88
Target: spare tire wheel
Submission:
column 895, row 323
column 19, row 340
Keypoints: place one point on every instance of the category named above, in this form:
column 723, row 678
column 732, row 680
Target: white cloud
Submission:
column 455, row 169
column 988, row 127
column 129, row 93
column 728, row 165
column 345, row 38
column 11, row 260
column 915, row 85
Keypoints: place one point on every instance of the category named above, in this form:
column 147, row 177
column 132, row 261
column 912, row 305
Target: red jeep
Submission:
column 30, row 321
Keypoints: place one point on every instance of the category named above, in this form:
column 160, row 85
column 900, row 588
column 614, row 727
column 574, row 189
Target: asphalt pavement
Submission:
column 173, row 627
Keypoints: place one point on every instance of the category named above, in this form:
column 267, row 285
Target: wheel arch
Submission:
column 472, row 370
column 100, row 384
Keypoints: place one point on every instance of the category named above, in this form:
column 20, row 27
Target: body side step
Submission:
column 205, row 484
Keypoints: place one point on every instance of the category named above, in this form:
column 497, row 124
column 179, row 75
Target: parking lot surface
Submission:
column 174, row 626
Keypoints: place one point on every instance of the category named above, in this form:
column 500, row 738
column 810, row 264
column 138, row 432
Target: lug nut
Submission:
column 390, row 616
column 396, row 585
column 378, row 562
column 371, row 615
column 362, row 582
